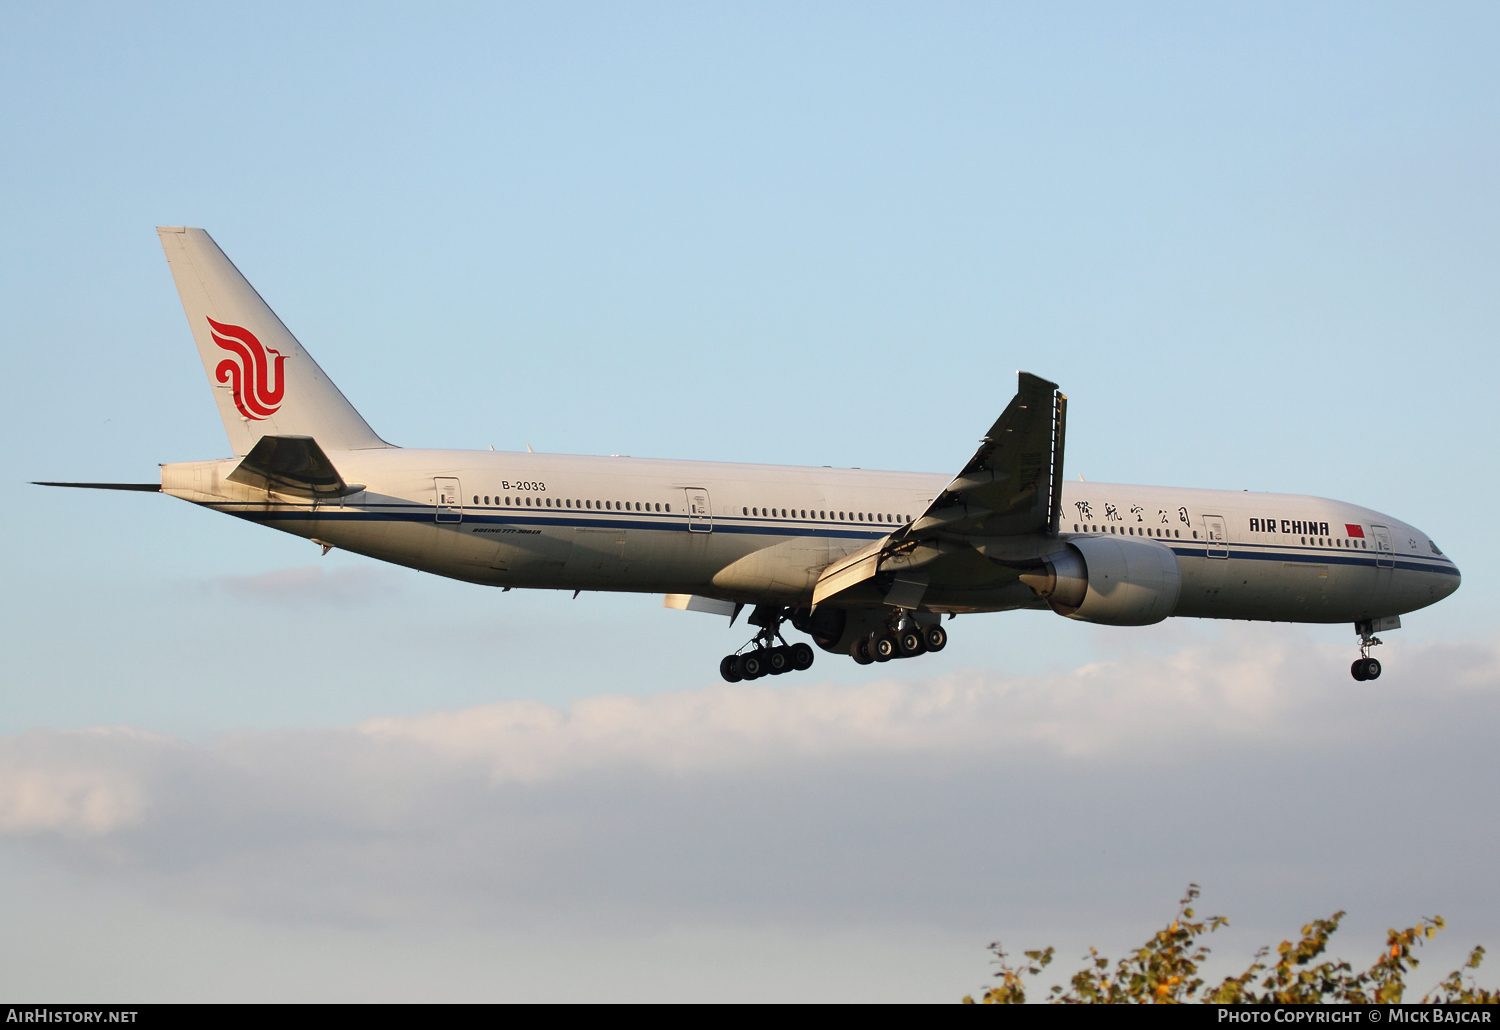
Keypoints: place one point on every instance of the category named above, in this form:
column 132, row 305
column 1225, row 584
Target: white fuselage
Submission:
column 763, row 533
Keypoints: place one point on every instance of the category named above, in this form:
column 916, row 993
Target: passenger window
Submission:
column 669, row 507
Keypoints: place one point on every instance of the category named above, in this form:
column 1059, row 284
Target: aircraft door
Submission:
column 450, row 499
column 700, row 514
column 1218, row 539
column 1385, row 554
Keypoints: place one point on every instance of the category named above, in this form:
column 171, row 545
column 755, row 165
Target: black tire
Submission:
column 1357, row 670
column 883, row 647
column 778, row 661
column 750, row 665
column 802, row 657
column 910, row 643
column 860, row 651
column 1372, row 668
column 936, row 638
column 727, row 669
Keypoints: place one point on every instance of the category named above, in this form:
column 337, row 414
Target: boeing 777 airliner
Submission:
column 865, row 563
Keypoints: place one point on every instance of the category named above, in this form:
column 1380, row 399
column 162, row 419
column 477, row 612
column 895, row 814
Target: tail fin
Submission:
column 264, row 382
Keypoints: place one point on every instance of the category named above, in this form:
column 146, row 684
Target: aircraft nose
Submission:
column 1453, row 581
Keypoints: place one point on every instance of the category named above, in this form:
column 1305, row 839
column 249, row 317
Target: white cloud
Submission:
column 87, row 783
column 961, row 801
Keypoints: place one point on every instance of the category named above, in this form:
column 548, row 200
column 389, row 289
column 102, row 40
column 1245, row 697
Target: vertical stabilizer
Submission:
column 264, row 382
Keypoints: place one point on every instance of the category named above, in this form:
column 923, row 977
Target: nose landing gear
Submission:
column 765, row 656
column 1365, row 667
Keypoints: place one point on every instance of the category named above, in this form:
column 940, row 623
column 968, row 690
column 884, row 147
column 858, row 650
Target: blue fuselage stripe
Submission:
column 757, row 527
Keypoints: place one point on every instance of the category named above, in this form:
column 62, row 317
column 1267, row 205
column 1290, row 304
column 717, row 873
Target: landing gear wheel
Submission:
column 750, row 665
column 1372, row 668
column 860, row 651
column 936, row 638
column 778, row 661
column 883, row 647
column 1357, row 670
column 910, row 643
column 802, row 657
column 727, row 668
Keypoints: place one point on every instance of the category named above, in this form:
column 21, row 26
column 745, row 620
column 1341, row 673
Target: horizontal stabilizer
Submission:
column 293, row 465
column 154, row 488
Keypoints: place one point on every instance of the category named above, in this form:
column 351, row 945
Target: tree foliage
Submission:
column 1164, row 970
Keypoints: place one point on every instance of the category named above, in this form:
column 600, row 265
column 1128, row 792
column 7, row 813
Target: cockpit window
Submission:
column 1432, row 544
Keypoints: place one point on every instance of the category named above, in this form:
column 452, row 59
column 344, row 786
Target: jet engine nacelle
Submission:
column 1111, row 580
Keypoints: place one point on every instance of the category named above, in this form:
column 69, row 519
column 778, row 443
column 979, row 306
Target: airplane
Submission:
column 866, row 563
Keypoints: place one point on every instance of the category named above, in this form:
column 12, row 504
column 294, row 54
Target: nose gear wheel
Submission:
column 1365, row 668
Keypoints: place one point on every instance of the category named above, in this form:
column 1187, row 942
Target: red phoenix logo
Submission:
column 249, row 376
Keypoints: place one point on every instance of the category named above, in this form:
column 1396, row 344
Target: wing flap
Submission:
column 851, row 570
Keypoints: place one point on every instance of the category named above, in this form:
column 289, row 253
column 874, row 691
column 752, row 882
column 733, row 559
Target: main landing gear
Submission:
column 900, row 638
column 1365, row 667
column 766, row 656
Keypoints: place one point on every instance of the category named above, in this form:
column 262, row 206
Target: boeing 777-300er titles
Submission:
column 866, row 563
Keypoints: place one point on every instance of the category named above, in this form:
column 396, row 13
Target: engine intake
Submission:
column 1109, row 580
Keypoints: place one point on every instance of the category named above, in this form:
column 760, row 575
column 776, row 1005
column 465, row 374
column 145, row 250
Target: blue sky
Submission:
column 1255, row 244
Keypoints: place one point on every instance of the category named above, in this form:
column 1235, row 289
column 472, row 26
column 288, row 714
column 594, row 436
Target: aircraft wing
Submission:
column 1013, row 484
column 1010, row 488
